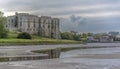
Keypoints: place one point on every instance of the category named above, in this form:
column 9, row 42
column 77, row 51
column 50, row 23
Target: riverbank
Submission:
column 36, row 40
column 7, row 42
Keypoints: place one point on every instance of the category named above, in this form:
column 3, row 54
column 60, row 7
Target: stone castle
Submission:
column 32, row 24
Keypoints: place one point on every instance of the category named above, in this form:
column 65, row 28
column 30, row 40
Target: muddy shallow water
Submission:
column 102, row 58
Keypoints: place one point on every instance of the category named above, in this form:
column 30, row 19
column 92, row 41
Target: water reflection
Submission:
column 72, row 60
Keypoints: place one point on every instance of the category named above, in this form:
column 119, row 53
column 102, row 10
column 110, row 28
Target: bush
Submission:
column 24, row 35
column 3, row 35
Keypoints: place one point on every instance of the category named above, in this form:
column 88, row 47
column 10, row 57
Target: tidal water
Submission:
column 97, row 58
column 25, row 50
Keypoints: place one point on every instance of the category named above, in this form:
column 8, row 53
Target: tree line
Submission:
column 72, row 35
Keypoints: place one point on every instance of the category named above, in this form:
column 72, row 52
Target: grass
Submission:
column 4, row 59
column 12, row 40
column 35, row 41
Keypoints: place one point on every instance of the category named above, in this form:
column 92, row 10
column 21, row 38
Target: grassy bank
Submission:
column 36, row 40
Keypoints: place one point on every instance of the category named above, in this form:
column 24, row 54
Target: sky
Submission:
column 75, row 15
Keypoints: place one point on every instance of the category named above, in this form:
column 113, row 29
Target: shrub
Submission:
column 24, row 35
column 3, row 35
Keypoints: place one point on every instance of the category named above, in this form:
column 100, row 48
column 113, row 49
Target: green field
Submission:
column 12, row 40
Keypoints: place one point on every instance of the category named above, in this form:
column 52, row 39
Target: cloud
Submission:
column 59, row 8
column 88, row 15
column 73, row 23
column 94, row 24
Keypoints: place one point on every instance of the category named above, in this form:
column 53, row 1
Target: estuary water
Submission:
column 25, row 50
column 95, row 58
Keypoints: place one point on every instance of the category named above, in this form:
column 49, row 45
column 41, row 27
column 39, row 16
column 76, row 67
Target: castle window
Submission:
column 43, row 26
column 48, row 26
column 20, row 23
column 34, row 22
column 12, row 21
column 9, row 20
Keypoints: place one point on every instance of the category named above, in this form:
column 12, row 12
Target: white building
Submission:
column 44, row 25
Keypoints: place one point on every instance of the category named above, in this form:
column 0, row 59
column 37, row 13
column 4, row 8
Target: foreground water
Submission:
column 25, row 50
column 102, row 58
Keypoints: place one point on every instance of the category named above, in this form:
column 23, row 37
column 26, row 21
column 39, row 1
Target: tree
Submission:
column 67, row 35
column 72, row 35
column 3, row 31
column 89, row 34
column 73, row 32
column 77, row 37
column 83, row 35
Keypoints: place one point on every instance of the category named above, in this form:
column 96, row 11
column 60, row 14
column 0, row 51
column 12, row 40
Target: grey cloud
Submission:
column 104, row 24
column 73, row 23
column 38, row 6
column 61, row 8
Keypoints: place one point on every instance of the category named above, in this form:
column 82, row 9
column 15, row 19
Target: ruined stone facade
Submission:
column 43, row 26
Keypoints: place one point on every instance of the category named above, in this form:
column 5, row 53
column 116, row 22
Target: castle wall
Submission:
column 43, row 26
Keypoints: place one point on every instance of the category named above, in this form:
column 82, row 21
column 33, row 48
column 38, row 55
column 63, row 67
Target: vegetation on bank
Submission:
column 35, row 40
column 5, row 59
column 72, row 35
column 24, row 35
